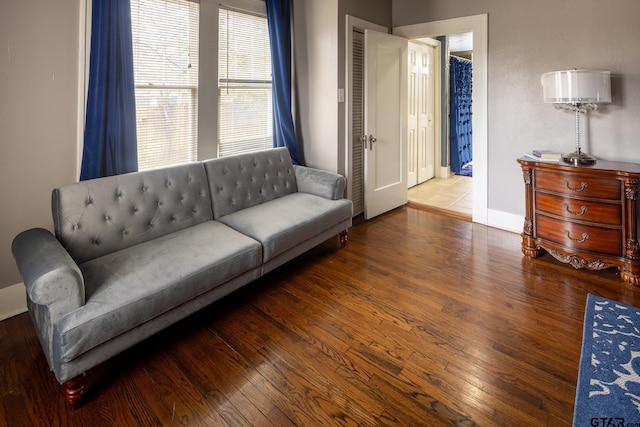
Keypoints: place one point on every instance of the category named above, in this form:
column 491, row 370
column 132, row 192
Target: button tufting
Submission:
column 194, row 211
column 118, row 194
column 75, row 226
column 125, row 232
column 134, row 210
column 182, row 198
column 169, row 184
column 89, row 201
column 173, row 218
column 144, row 188
column 107, row 218
column 95, row 242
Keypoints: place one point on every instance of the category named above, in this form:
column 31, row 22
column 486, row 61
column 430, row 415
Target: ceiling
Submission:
column 460, row 42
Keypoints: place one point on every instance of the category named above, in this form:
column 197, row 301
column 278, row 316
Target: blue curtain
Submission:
column 279, row 21
column 460, row 132
column 110, row 142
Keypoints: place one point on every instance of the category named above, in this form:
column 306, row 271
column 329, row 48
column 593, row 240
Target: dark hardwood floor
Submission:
column 423, row 319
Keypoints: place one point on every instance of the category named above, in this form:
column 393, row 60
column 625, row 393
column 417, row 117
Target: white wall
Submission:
column 527, row 39
column 38, row 114
column 319, row 43
column 316, row 80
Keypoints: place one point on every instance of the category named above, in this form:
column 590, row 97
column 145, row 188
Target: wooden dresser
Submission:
column 585, row 216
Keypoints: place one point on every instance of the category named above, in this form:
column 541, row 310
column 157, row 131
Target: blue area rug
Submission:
column 608, row 391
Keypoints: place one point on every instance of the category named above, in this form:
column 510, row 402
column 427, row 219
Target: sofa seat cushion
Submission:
column 286, row 222
column 130, row 287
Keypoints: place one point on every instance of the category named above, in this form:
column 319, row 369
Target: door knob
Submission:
column 372, row 139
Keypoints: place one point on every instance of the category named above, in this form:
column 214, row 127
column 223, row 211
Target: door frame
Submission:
column 478, row 24
column 351, row 23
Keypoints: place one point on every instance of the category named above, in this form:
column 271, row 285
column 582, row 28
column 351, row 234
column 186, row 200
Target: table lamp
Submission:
column 580, row 91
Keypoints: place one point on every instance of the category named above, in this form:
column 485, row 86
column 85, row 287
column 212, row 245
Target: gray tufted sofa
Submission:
column 133, row 254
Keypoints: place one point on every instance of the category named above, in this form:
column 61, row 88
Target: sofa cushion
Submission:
column 130, row 287
column 286, row 222
column 96, row 217
column 245, row 180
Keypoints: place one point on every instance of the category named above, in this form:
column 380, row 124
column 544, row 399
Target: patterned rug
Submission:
column 608, row 391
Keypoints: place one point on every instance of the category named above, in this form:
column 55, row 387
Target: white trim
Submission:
column 478, row 24
column 505, row 221
column 13, row 301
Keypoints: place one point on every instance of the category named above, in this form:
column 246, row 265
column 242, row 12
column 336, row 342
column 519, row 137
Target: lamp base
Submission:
column 578, row 158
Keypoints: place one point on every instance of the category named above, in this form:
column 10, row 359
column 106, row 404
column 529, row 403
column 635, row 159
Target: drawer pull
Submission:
column 583, row 185
column 583, row 209
column 585, row 236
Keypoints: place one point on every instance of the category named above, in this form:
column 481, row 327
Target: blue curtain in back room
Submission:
column 279, row 21
column 460, row 132
column 110, row 142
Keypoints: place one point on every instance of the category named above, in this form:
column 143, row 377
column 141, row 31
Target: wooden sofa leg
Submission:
column 344, row 236
column 73, row 391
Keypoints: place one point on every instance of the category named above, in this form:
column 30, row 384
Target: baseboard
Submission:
column 13, row 301
column 445, row 172
column 505, row 221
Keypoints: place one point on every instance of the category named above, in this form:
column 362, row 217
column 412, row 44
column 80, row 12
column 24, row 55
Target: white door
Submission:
column 412, row 113
column 385, row 122
column 421, row 112
column 426, row 110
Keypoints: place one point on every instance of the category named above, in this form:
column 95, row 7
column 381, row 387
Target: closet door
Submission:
column 421, row 110
column 426, row 112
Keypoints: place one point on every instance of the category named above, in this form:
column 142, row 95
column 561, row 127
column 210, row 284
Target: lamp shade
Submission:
column 576, row 86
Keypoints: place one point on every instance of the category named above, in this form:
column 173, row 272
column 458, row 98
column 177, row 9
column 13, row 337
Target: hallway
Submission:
column 453, row 196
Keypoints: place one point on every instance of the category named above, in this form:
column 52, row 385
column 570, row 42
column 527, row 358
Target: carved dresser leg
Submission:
column 343, row 238
column 73, row 391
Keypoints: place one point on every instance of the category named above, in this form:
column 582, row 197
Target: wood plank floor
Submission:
column 423, row 319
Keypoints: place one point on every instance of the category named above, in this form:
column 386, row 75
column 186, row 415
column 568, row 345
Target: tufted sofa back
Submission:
column 245, row 180
column 99, row 216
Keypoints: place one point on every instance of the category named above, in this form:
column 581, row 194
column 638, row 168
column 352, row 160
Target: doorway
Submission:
column 478, row 26
column 452, row 191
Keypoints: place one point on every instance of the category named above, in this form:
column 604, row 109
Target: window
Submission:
column 165, row 57
column 244, row 83
column 232, row 100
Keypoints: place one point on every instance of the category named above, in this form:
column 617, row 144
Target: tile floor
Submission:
column 452, row 194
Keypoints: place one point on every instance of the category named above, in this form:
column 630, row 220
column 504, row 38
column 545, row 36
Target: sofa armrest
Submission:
column 321, row 183
column 51, row 276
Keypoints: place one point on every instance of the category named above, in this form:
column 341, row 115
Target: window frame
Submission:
column 207, row 116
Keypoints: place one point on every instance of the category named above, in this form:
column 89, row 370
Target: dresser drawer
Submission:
column 578, row 236
column 576, row 185
column 576, row 209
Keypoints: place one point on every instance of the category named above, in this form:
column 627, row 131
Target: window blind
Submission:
column 165, row 56
column 244, row 83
